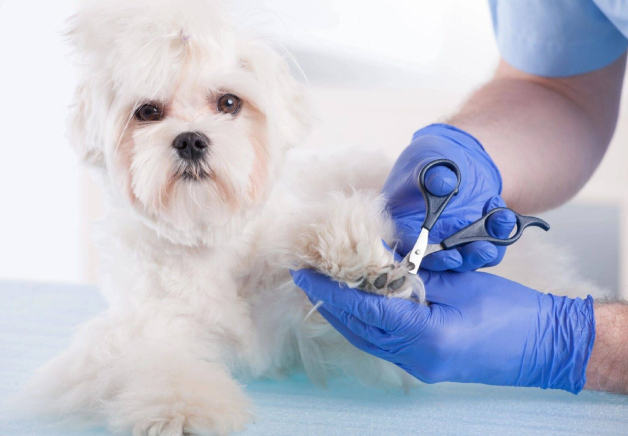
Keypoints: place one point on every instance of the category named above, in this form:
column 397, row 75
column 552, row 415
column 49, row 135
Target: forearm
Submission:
column 608, row 366
column 546, row 136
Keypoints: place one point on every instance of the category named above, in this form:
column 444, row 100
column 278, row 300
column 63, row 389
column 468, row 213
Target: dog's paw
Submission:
column 393, row 280
column 201, row 399
column 189, row 419
column 193, row 416
column 343, row 239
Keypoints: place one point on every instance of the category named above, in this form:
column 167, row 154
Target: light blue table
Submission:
column 36, row 322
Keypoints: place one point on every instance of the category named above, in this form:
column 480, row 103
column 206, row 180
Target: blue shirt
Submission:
column 557, row 38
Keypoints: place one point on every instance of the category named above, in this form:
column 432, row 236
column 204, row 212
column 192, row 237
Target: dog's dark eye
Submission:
column 149, row 112
column 229, row 104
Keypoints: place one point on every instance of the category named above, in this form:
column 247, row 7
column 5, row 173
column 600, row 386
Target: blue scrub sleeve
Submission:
column 556, row 38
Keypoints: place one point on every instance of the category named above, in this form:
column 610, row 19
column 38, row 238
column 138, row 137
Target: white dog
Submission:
column 188, row 124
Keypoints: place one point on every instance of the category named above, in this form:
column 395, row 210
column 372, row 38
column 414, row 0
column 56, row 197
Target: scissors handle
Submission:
column 477, row 230
column 436, row 204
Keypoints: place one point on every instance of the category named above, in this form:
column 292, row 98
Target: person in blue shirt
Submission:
column 544, row 120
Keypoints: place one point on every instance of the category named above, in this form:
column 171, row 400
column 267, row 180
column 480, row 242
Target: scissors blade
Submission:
column 418, row 251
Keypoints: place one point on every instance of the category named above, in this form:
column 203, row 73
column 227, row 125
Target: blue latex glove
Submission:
column 479, row 192
column 479, row 328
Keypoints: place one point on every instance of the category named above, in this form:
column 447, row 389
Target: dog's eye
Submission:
column 149, row 112
column 229, row 104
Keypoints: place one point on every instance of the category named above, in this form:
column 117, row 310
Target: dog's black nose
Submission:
column 191, row 145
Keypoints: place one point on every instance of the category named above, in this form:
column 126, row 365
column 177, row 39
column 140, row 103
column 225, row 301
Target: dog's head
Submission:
column 188, row 119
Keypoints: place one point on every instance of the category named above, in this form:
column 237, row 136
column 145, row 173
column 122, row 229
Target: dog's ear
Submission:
column 288, row 99
column 86, row 125
column 90, row 108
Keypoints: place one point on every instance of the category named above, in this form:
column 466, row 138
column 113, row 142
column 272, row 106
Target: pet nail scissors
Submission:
column 473, row 232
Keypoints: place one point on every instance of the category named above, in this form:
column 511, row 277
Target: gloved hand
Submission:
column 479, row 192
column 479, row 328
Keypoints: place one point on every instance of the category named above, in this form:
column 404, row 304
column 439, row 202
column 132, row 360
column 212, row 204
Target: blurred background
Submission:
column 377, row 70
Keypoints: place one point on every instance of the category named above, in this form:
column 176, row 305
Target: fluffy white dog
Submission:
column 188, row 124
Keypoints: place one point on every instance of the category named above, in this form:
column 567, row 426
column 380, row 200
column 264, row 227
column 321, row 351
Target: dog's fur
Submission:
column 195, row 269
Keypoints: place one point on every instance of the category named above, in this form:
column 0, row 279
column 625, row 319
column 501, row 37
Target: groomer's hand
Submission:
column 479, row 193
column 479, row 328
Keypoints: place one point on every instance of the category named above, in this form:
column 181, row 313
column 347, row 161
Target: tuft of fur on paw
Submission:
column 343, row 238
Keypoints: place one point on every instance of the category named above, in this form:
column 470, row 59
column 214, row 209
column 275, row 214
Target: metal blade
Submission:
column 418, row 251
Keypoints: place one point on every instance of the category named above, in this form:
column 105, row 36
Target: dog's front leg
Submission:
column 146, row 373
column 341, row 236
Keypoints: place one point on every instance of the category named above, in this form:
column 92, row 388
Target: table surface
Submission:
column 37, row 321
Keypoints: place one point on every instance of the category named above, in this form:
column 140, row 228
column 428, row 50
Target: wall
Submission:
column 39, row 190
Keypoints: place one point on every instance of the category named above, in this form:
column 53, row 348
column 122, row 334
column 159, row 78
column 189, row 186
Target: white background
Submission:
column 426, row 55
column 39, row 191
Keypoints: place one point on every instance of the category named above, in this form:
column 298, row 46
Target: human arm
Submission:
column 545, row 119
column 534, row 140
column 478, row 328
column 540, row 130
column 608, row 367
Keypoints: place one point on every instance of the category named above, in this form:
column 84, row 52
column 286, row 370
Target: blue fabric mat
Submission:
column 37, row 320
